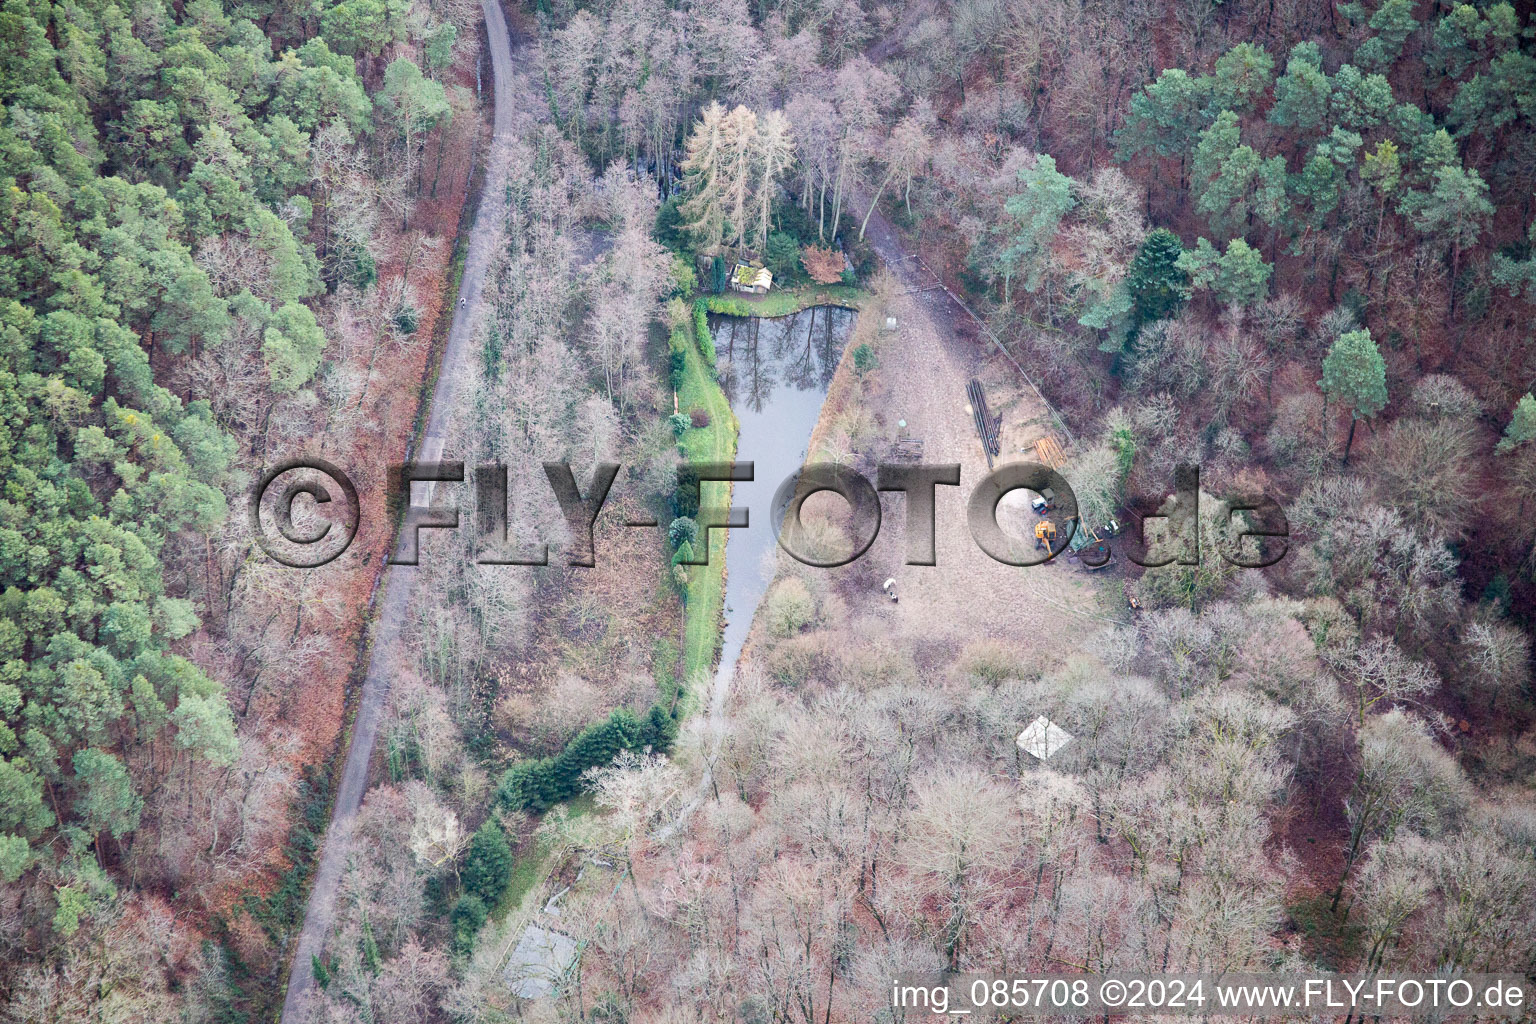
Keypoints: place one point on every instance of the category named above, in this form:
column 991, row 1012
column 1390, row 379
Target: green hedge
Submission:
column 539, row 783
column 677, row 362
column 701, row 330
column 466, row 919
column 488, row 864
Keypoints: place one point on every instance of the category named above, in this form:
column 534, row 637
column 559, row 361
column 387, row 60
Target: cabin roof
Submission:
column 745, row 276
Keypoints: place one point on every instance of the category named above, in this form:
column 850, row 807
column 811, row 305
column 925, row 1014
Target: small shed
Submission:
column 1042, row 738
column 752, row 280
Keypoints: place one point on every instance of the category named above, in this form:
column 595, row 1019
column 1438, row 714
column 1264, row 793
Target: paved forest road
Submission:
column 399, row 582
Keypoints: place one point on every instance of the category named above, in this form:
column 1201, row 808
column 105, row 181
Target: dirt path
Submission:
column 399, row 583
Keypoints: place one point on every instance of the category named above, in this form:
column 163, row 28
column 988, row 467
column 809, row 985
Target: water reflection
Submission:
column 800, row 351
column 775, row 372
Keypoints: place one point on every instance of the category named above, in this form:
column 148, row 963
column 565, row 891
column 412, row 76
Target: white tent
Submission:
column 1042, row 738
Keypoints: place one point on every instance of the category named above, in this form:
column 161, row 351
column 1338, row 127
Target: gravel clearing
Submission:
column 1040, row 611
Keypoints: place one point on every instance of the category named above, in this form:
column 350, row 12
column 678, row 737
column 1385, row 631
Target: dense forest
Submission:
column 1290, row 241
column 1287, row 242
column 199, row 202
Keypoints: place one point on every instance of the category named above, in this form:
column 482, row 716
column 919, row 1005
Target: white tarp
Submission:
column 1043, row 737
column 540, row 962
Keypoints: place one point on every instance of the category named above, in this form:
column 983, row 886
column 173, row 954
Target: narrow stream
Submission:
column 775, row 373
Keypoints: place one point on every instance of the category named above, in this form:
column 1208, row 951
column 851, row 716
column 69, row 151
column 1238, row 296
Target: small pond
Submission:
column 775, row 373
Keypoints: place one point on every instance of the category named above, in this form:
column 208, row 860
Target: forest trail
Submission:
column 399, row 583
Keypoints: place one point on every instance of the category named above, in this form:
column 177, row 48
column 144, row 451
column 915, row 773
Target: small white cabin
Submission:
column 751, row 280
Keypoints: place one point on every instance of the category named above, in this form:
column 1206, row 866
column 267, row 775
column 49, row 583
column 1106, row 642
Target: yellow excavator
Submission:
column 1045, row 534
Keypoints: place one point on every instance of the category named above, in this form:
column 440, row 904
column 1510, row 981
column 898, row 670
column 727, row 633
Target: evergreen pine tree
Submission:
column 1522, row 425
column 1354, row 372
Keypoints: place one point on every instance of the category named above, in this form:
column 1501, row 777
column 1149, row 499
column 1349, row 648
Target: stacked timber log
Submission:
column 987, row 426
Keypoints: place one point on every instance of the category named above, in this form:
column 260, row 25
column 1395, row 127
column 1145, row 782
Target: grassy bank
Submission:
column 704, row 603
column 704, row 596
column 533, row 867
column 787, row 301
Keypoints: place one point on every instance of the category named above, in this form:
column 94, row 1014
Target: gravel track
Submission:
column 399, row 583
